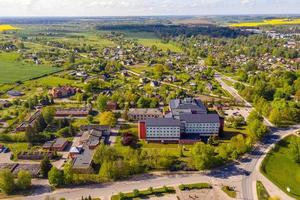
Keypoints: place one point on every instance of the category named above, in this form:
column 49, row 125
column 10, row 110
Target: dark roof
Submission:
column 163, row 122
column 94, row 127
column 59, row 142
column 83, row 160
column 48, row 144
column 199, row 118
column 188, row 103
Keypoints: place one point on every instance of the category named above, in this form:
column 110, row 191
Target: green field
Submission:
column 13, row 70
column 279, row 167
column 160, row 45
column 53, row 81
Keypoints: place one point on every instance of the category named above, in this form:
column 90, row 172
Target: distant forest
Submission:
column 166, row 31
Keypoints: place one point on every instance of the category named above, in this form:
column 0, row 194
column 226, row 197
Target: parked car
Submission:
column 5, row 150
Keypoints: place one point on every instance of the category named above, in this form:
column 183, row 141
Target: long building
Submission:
column 188, row 120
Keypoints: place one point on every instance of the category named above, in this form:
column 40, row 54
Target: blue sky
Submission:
column 145, row 7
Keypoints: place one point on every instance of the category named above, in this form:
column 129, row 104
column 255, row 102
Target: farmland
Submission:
column 13, row 70
column 271, row 22
column 6, row 27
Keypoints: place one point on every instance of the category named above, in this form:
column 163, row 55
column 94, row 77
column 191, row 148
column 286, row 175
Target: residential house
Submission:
column 58, row 144
column 29, row 122
column 82, row 163
column 63, row 92
column 72, row 112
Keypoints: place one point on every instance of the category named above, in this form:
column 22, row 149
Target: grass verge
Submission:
column 144, row 193
column 195, row 186
column 229, row 191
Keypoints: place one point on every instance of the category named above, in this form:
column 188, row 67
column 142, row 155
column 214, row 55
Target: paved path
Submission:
column 256, row 157
column 104, row 191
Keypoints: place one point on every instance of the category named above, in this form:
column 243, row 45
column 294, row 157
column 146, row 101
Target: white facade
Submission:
column 204, row 128
column 163, row 132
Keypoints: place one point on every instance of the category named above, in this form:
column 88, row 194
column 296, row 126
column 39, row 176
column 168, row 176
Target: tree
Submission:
column 48, row 114
column 7, row 184
column 203, row 156
column 24, row 180
column 107, row 170
column 108, row 118
column 56, row 177
column 68, row 173
column 275, row 116
column 257, row 129
column 45, row 166
column 253, row 115
column 103, row 152
column 209, row 61
column 102, row 103
column 72, row 58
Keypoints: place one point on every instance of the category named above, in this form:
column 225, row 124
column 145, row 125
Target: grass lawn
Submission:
column 195, row 186
column 231, row 132
column 13, row 70
column 139, row 68
column 160, row 45
column 262, row 193
column 144, row 194
column 53, row 81
column 16, row 147
column 279, row 167
column 229, row 191
column 171, row 149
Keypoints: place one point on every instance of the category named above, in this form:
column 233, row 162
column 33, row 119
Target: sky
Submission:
column 145, row 7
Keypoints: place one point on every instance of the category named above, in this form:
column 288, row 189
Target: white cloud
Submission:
column 243, row 2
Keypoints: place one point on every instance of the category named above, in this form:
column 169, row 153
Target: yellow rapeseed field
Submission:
column 270, row 22
column 6, row 27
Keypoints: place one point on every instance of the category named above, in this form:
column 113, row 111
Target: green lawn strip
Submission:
column 195, row 186
column 136, row 194
column 262, row 193
column 229, row 191
column 279, row 167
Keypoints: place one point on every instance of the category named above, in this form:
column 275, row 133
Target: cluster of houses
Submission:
column 187, row 122
column 81, row 154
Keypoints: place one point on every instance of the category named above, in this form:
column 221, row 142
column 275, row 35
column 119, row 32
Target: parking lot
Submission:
column 238, row 111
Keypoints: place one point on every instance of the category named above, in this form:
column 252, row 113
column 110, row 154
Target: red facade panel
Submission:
column 142, row 130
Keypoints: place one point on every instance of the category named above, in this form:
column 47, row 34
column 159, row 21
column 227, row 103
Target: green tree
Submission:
column 68, row 174
column 102, row 103
column 275, row 116
column 257, row 129
column 107, row 170
column 48, row 114
column 45, row 166
column 108, row 118
column 24, row 180
column 56, row 177
column 7, row 183
column 203, row 156
column 253, row 115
